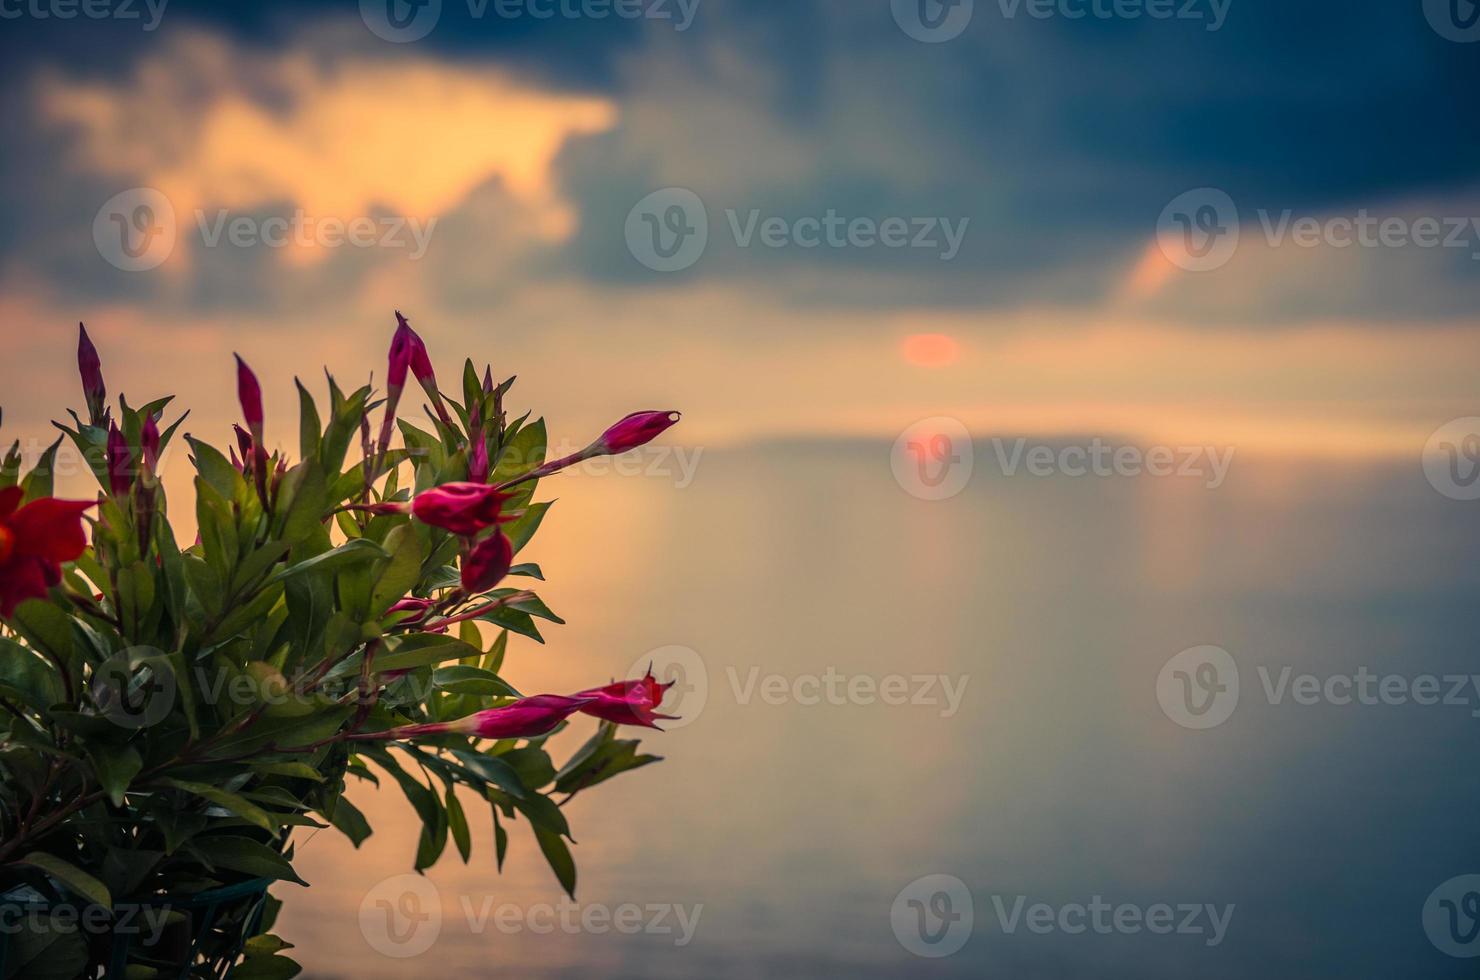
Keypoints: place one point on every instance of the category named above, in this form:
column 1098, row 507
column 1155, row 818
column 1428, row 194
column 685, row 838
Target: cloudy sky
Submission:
column 1190, row 221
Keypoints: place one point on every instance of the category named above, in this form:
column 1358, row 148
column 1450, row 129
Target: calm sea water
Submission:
column 789, row 833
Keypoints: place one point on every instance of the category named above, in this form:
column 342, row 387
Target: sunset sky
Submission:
column 519, row 146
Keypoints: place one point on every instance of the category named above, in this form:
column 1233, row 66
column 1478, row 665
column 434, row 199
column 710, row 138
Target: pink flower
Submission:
column 637, row 429
column 34, row 541
column 525, row 718
column 90, row 366
column 462, row 508
column 478, row 457
column 120, row 463
column 149, row 444
column 414, row 355
column 416, row 612
column 487, row 563
column 249, row 393
column 628, row 702
column 406, row 349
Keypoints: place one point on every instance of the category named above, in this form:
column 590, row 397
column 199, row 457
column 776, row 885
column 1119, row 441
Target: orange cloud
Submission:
column 214, row 126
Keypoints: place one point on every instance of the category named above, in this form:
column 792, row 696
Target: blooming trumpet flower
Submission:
column 526, row 718
column 628, row 702
column 90, row 366
column 487, row 563
column 34, row 541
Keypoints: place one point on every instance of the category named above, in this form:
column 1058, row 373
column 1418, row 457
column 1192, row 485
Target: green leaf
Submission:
column 401, row 572
column 349, row 821
column 309, row 426
column 457, row 823
column 519, row 532
column 542, row 812
column 533, row 765
column 522, row 453
column 356, row 552
column 266, row 968
column 500, row 839
column 559, row 857
column 116, row 766
column 247, row 856
column 230, row 801
column 70, row 875
column 422, row 649
column 28, row 677
column 462, row 679
column 296, row 770
column 38, row 483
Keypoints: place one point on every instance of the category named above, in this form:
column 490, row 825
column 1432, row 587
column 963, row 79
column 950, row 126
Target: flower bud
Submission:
column 462, row 507
column 487, row 563
column 90, row 366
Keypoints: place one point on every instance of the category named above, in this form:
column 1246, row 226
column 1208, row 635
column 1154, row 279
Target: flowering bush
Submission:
column 175, row 712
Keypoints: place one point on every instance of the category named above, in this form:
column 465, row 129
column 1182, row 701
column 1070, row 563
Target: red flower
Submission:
column 525, row 718
column 462, row 508
column 628, row 702
column 34, row 541
column 487, row 564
